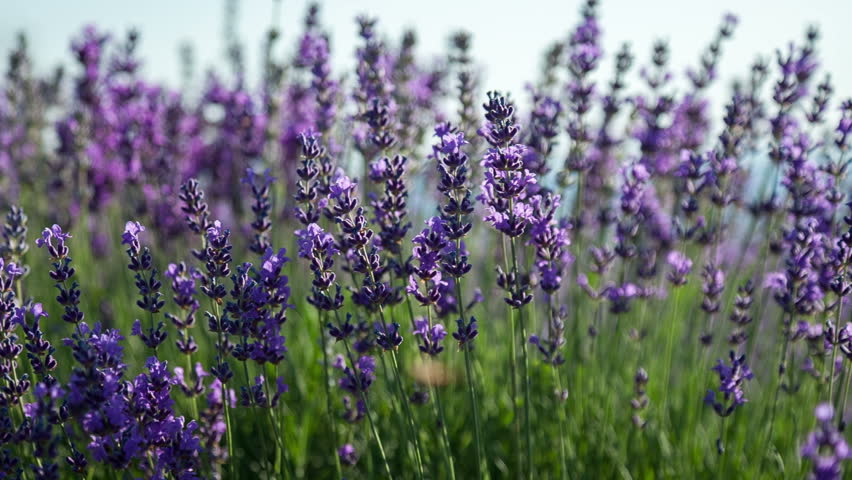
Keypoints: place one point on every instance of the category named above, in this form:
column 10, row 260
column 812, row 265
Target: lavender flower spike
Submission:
column 147, row 283
column 825, row 447
column 731, row 379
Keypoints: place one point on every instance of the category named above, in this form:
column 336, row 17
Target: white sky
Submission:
column 509, row 37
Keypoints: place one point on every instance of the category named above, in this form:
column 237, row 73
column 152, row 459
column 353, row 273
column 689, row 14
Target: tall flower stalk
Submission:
column 215, row 255
column 373, row 294
column 681, row 266
column 427, row 285
column 454, row 181
column 147, row 284
column 504, row 193
column 390, row 215
column 319, row 248
column 550, row 240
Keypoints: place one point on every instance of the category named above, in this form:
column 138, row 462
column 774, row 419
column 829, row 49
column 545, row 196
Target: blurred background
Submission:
column 509, row 37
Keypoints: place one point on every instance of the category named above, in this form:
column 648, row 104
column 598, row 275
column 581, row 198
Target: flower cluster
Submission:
column 147, row 283
column 825, row 447
column 731, row 379
column 261, row 207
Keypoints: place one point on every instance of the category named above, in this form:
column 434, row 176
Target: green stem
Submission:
column 524, row 365
column 474, row 404
column 842, row 409
column 834, row 349
column 225, row 396
column 366, row 406
column 445, row 439
column 458, row 196
column 407, row 297
column 513, row 367
column 669, row 349
column 279, row 438
column 376, row 436
column 328, row 405
column 557, row 380
column 227, row 409
column 782, row 368
column 448, row 456
column 722, row 436
column 472, row 394
column 19, row 294
column 412, row 433
column 194, row 403
column 409, row 417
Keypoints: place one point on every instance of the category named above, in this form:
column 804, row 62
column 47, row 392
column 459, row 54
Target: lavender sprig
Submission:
column 825, row 447
column 466, row 88
column 504, row 192
column 319, row 248
column 261, row 207
column 69, row 296
column 731, row 380
column 310, row 180
column 147, row 283
column 427, row 286
column 15, row 245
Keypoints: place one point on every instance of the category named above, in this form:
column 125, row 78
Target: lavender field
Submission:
column 390, row 271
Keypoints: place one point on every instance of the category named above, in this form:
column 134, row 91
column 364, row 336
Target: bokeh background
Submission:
column 509, row 37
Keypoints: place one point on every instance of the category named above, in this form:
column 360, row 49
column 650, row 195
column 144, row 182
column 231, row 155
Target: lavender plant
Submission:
column 636, row 230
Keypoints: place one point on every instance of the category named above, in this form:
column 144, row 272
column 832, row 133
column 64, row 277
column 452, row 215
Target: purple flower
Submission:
column 504, row 191
column 313, row 236
column 584, row 54
column 636, row 177
column 195, row 389
column 193, row 205
column 252, row 178
column 359, row 380
column 341, row 187
column 261, row 207
column 731, row 379
column 319, row 247
column 453, row 184
column 131, row 233
column 387, row 336
column 542, row 132
column 255, row 395
column 390, row 207
column 466, row 332
column 348, row 455
column 551, row 342
column 551, row 242
column 776, row 281
column 640, row 401
column 62, row 273
column 147, row 283
column 741, row 315
column 713, row 285
column 681, row 266
column 48, row 235
column 451, row 141
column 825, row 447
column 217, row 233
column 313, row 179
column 619, row 296
column 429, row 247
column 430, row 336
column 12, row 269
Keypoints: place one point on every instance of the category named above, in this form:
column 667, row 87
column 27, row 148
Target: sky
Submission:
column 509, row 37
